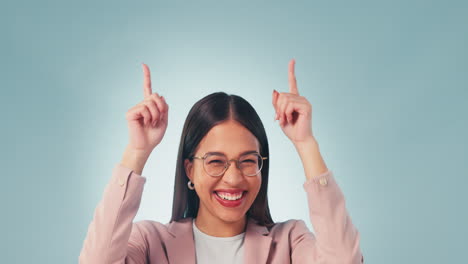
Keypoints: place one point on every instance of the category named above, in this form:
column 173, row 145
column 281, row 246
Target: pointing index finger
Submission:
column 146, row 81
column 292, row 78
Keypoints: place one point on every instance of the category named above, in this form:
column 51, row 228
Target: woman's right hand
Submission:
column 147, row 121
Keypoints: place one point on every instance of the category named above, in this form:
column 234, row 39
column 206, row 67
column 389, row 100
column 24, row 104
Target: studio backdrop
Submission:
column 387, row 81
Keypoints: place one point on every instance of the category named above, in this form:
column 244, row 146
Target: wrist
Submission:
column 135, row 159
column 312, row 160
column 306, row 144
column 137, row 153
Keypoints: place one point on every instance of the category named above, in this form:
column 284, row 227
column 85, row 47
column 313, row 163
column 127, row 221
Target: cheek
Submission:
column 204, row 185
column 255, row 185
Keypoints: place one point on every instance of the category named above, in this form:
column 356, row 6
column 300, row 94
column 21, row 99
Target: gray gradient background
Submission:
column 387, row 81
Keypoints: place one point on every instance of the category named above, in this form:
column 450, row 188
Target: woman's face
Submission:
column 232, row 139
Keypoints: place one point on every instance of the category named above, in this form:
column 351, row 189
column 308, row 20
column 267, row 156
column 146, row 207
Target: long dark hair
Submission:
column 209, row 111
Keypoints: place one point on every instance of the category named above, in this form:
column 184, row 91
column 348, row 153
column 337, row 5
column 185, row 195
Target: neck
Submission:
column 216, row 227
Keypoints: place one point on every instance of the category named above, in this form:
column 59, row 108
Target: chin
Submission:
column 231, row 217
column 231, row 211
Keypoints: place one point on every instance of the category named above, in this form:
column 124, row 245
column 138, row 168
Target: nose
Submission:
column 233, row 175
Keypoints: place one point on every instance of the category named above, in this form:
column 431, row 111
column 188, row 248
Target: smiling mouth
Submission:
column 230, row 197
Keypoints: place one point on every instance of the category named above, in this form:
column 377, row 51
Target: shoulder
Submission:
column 155, row 229
column 289, row 225
column 292, row 229
column 149, row 228
column 288, row 235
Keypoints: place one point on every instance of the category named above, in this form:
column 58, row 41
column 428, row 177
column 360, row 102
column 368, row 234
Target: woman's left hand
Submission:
column 293, row 111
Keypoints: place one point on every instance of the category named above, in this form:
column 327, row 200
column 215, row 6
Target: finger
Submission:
column 292, row 78
column 294, row 107
column 282, row 101
column 283, row 113
column 145, row 112
column 274, row 98
column 277, row 99
column 166, row 110
column 146, row 81
column 133, row 114
column 284, row 121
column 290, row 104
column 138, row 112
column 162, row 106
column 275, row 102
column 302, row 108
column 289, row 110
column 153, row 108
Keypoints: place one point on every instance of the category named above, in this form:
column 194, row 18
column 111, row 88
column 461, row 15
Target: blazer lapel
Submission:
column 256, row 243
column 181, row 247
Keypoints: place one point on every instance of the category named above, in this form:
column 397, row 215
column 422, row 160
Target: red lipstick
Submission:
column 230, row 203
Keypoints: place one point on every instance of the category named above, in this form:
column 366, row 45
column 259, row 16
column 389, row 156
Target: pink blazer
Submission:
column 113, row 238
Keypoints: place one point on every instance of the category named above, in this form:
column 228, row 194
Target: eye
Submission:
column 215, row 162
column 248, row 161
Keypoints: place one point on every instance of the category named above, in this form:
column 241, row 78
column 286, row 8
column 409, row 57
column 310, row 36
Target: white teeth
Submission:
column 228, row 196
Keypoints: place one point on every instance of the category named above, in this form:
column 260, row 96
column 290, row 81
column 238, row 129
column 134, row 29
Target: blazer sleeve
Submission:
column 112, row 237
column 336, row 239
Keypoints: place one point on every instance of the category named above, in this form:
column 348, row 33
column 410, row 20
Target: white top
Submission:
column 225, row 250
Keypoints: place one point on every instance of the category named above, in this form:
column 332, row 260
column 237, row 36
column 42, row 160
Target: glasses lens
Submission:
column 214, row 164
column 250, row 164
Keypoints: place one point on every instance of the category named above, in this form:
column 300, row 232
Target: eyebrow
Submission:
column 240, row 154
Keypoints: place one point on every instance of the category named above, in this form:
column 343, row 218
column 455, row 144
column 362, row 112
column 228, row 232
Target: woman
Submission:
column 220, row 208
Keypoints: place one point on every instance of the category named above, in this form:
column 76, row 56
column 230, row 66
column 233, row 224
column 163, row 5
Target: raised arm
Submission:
column 107, row 239
column 112, row 237
column 336, row 239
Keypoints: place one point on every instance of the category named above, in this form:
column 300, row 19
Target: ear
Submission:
column 188, row 169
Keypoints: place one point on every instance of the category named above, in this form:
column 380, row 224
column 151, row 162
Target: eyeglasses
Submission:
column 216, row 165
